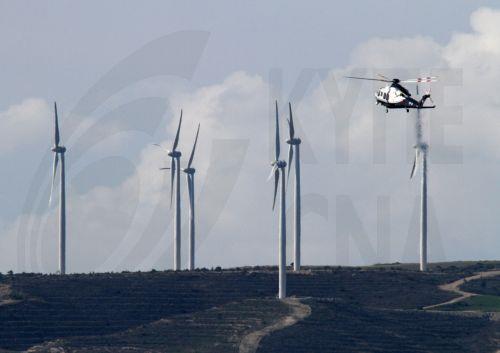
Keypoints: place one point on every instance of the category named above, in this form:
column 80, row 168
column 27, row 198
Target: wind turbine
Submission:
column 295, row 144
column 421, row 149
column 278, row 167
column 59, row 151
column 175, row 167
column 190, row 184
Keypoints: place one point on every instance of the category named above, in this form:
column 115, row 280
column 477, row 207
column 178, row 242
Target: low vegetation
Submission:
column 484, row 303
column 215, row 330
column 487, row 286
column 336, row 326
column 487, row 300
column 210, row 311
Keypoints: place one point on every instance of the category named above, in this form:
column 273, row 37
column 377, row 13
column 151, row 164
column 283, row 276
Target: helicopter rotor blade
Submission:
column 421, row 79
column 428, row 93
column 384, row 77
column 368, row 79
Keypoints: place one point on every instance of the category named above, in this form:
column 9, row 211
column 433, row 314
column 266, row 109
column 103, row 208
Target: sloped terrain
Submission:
column 197, row 311
column 336, row 326
column 215, row 330
column 79, row 305
column 479, row 293
column 486, row 286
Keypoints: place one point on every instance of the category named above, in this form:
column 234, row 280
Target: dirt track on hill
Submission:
column 455, row 288
column 250, row 342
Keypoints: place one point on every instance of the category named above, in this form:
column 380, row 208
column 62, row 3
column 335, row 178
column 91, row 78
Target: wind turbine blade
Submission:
column 194, row 147
column 290, row 122
column 290, row 159
column 277, row 142
column 276, row 182
column 190, row 190
column 56, row 160
column 166, row 168
column 56, row 126
column 414, row 168
column 272, row 172
column 172, row 175
column 176, row 141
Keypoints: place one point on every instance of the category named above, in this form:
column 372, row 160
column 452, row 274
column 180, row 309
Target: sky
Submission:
column 121, row 71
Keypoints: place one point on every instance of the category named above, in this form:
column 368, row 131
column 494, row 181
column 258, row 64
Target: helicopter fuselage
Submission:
column 393, row 97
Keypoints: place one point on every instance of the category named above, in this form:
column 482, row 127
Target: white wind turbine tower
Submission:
column 279, row 168
column 295, row 144
column 59, row 151
column 190, row 184
column 175, row 167
column 421, row 149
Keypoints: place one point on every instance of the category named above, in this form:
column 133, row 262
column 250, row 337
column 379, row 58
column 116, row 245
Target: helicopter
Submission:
column 396, row 96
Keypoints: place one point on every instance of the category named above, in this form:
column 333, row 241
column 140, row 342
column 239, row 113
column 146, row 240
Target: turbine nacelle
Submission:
column 59, row 149
column 279, row 164
column 175, row 154
column 189, row 170
column 421, row 146
column 294, row 141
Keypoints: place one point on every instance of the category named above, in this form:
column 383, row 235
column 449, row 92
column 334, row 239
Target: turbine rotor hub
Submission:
column 189, row 170
column 174, row 154
column 59, row 149
column 294, row 141
column 421, row 146
column 280, row 164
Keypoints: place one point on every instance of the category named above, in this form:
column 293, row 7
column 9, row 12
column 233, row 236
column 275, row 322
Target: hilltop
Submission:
column 349, row 309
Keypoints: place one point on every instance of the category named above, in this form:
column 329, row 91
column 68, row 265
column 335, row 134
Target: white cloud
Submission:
column 414, row 52
column 24, row 123
column 107, row 223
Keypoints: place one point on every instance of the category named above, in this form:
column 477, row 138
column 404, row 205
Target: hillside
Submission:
column 372, row 309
